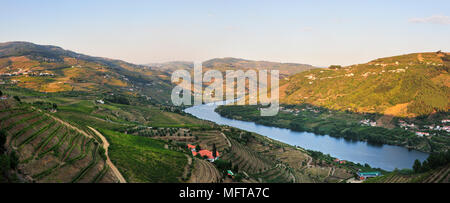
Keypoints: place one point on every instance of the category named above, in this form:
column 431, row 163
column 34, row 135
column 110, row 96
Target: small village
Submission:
column 21, row 72
column 421, row 131
column 296, row 111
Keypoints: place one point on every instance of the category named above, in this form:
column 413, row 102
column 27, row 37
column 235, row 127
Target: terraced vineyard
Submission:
column 275, row 175
column 207, row 139
column 51, row 151
column 440, row 175
column 247, row 160
column 204, row 172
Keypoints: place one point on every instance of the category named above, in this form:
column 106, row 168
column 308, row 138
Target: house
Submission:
column 207, row 154
column 191, row 147
column 4, row 97
column 446, row 121
column 204, row 153
column 368, row 122
column 101, row 101
column 421, row 134
column 340, row 161
column 230, row 173
column 446, row 128
column 365, row 175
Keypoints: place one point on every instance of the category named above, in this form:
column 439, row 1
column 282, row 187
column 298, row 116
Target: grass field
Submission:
column 142, row 159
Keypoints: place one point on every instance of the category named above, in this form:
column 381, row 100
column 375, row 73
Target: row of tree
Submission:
column 8, row 161
column 435, row 160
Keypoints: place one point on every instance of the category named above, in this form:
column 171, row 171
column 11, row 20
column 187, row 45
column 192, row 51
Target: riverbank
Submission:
column 387, row 157
column 335, row 124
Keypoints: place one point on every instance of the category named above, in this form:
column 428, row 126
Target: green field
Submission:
column 142, row 159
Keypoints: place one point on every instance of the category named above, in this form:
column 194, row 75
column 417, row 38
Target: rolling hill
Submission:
column 68, row 117
column 286, row 69
column 53, row 69
column 407, row 86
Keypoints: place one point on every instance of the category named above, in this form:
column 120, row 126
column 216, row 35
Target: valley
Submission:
column 69, row 117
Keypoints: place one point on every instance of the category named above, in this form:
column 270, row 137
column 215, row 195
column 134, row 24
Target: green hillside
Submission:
column 409, row 85
column 53, row 69
column 67, row 117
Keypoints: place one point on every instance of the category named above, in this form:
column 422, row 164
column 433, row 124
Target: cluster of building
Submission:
column 412, row 126
column 403, row 124
column 30, row 73
column 400, row 70
column 368, row 122
column 340, row 161
column 437, row 127
column 296, row 111
column 208, row 155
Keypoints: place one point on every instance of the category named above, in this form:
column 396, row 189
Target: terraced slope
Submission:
column 440, row 175
column 204, row 172
column 50, row 151
column 53, row 69
column 408, row 85
column 142, row 159
column 247, row 160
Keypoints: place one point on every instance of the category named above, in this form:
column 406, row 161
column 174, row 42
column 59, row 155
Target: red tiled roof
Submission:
column 191, row 146
column 206, row 153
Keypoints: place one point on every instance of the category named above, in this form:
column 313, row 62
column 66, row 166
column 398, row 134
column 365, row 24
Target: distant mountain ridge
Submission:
column 55, row 53
column 229, row 63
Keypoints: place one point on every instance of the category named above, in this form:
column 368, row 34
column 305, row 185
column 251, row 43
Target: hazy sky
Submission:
column 314, row 32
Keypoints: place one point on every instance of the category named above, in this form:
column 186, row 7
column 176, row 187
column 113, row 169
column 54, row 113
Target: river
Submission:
column 386, row 157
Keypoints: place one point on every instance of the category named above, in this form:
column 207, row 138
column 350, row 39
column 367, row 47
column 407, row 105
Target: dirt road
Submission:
column 187, row 167
column 108, row 161
column 228, row 141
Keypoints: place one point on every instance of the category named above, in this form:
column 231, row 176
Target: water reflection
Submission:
column 387, row 157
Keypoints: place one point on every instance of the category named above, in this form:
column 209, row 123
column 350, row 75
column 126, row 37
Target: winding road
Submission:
column 108, row 160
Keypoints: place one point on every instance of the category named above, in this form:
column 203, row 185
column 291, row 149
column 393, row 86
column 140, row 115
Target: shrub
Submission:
column 17, row 98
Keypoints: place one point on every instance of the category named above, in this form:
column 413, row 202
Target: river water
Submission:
column 386, row 157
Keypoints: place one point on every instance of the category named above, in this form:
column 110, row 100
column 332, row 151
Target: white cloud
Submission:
column 436, row 19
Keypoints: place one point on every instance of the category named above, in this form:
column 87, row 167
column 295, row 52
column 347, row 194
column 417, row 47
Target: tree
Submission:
column 13, row 160
column 214, row 151
column 197, row 148
column 417, row 166
column 17, row 98
column 236, row 168
column 2, row 141
column 55, row 106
